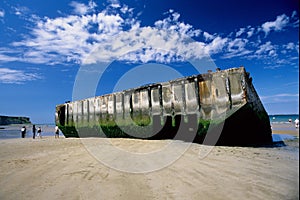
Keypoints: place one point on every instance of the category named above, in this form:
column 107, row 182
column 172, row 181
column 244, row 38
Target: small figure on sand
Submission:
column 56, row 132
column 23, row 131
column 39, row 132
column 297, row 123
column 33, row 131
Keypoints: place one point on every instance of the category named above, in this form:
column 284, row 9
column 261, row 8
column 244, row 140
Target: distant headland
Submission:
column 7, row 120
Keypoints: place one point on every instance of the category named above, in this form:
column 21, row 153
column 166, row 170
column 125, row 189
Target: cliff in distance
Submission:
column 7, row 120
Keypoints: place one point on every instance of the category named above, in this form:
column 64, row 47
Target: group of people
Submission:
column 37, row 132
column 297, row 123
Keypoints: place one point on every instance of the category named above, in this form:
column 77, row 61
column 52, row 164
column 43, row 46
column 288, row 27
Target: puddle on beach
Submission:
column 282, row 137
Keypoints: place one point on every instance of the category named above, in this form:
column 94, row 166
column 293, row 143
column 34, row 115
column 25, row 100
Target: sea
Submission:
column 283, row 118
column 14, row 131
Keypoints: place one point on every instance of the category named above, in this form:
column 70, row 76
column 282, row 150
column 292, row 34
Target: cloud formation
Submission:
column 116, row 37
column 278, row 25
column 281, row 98
column 2, row 13
column 82, row 9
column 115, row 33
column 16, row 76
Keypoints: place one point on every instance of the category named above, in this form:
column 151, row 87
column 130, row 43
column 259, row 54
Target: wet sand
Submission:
column 62, row 168
column 285, row 128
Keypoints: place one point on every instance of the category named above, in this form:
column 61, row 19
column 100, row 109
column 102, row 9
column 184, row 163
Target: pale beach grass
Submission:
column 62, row 168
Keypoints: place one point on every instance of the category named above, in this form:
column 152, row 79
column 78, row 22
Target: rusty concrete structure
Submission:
column 222, row 105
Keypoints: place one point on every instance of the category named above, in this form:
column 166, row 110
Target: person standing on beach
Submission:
column 33, row 131
column 23, row 131
column 39, row 132
column 297, row 123
column 56, row 132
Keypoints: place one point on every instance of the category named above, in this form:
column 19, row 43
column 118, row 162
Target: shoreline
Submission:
column 286, row 128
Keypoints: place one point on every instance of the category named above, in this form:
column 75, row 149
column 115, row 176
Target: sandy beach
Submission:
column 63, row 168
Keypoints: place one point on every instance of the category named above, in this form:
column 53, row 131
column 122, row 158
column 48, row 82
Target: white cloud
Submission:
column 69, row 36
column 216, row 45
column 8, row 55
column 247, row 42
column 2, row 13
column 250, row 32
column 236, row 47
column 7, row 58
column 279, row 24
column 113, row 2
column 115, row 33
column 16, row 76
column 126, row 9
column 20, row 10
column 294, row 14
column 82, row 9
column 280, row 98
column 115, row 5
column 75, row 37
column 240, row 32
column 286, row 95
column 208, row 36
column 290, row 46
column 266, row 49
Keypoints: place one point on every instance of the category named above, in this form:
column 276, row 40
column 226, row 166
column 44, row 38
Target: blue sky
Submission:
column 44, row 46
